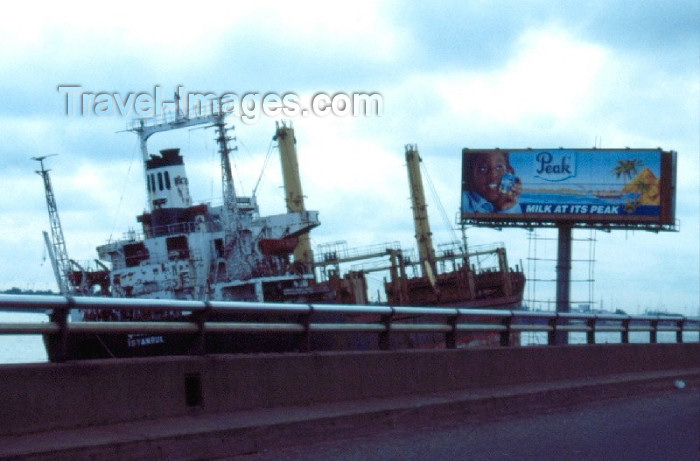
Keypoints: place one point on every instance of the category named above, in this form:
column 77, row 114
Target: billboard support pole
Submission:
column 563, row 276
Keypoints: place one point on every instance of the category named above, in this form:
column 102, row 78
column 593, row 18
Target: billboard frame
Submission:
column 664, row 221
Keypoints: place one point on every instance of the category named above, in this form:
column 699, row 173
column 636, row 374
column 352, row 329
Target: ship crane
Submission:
column 57, row 245
column 424, row 238
column 294, row 197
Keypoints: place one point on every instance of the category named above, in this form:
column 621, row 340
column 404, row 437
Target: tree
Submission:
column 627, row 168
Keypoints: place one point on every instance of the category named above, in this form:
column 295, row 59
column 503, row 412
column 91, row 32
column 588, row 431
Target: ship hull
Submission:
column 121, row 345
column 98, row 346
column 101, row 346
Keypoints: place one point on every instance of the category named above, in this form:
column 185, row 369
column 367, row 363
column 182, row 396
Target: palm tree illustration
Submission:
column 626, row 169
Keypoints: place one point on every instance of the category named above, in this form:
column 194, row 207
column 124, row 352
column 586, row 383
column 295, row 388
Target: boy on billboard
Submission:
column 490, row 184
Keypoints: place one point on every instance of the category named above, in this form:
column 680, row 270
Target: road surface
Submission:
column 659, row 427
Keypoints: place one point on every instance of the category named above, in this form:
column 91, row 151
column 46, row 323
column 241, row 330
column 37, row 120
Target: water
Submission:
column 22, row 348
column 607, row 337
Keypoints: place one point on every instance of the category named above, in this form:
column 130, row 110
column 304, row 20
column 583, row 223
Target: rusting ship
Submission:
column 230, row 252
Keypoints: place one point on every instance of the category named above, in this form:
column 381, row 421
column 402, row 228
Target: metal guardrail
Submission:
column 313, row 318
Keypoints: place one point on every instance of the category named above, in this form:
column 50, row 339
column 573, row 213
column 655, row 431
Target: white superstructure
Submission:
column 199, row 251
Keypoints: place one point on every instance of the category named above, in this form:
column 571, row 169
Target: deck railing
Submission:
column 309, row 319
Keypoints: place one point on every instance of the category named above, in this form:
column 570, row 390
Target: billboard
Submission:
column 609, row 187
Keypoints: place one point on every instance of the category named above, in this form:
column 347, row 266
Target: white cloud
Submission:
column 551, row 74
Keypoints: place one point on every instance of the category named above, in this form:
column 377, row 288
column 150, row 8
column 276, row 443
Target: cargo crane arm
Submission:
column 57, row 245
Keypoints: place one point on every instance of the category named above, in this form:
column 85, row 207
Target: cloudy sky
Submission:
column 451, row 74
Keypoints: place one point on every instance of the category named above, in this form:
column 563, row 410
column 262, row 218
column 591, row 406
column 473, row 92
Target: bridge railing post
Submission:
column 653, row 331
column 505, row 334
column 679, row 332
column 304, row 344
column 590, row 333
column 200, row 318
column 59, row 316
column 625, row 333
column 385, row 335
column 451, row 336
column 552, row 333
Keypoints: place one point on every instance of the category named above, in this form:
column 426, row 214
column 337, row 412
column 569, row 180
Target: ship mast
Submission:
column 424, row 239
column 228, row 189
column 237, row 238
column 57, row 250
column 294, row 197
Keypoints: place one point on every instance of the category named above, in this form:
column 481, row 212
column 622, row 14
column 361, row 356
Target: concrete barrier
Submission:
column 51, row 396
